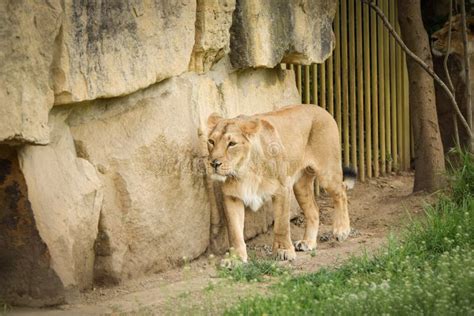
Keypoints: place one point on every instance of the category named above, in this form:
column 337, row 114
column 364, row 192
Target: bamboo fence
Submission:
column 364, row 85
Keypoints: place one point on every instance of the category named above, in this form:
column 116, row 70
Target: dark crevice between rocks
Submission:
column 26, row 275
column 239, row 44
column 103, row 252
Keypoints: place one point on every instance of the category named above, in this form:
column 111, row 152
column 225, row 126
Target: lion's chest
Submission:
column 256, row 191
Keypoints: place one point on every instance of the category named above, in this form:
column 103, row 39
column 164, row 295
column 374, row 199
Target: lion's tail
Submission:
column 350, row 177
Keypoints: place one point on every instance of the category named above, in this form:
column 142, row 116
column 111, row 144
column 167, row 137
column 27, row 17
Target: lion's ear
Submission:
column 250, row 127
column 212, row 120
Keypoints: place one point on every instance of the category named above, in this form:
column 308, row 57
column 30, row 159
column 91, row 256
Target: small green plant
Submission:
column 185, row 294
column 253, row 271
column 4, row 308
column 462, row 177
column 210, row 287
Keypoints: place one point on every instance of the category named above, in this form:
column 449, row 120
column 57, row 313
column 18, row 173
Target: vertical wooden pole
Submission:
column 398, row 56
column 330, row 83
column 367, row 73
column 315, row 84
column 298, row 79
column 337, row 68
column 345, row 83
column 393, row 89
column 381, row 88
column 307, row 94
column 360, row 91
column 412, row 141
column 388, row 122
column 323, row 81
column 352, row 83
column 406, row 115
column 374, row 90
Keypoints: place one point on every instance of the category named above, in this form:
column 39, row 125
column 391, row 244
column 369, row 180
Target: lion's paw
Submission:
column 341, row 233
column 285, row 254
column 304, row 245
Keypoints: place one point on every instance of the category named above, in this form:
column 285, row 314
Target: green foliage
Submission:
column 429, row 270
column 463, row 177
column 253, row 271
column 4, row 308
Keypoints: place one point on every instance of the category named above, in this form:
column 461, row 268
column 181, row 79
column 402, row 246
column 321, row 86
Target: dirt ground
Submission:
column 377, row 207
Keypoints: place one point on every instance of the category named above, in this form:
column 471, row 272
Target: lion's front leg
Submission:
column 282, row 245
column 235, row 214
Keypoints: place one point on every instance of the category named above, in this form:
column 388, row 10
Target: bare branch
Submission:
column 420, row 62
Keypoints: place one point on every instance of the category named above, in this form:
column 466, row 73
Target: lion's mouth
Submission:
column 218, row 177
column 437, row 52
column 221, row 174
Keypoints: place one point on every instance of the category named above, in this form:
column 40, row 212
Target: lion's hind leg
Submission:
column 304, row 193
column 341, row 224
column 332, row 183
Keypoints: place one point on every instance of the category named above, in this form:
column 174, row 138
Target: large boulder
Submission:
column 27, row 35
column 155, row 209
column 265, row 33
column 66, row 196
column 59, row 52
column 113, row 48
column 156, row 204
column 50, row 203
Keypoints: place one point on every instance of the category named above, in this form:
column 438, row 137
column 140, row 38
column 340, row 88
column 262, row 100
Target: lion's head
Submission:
column 230, row 144
column 439, row 39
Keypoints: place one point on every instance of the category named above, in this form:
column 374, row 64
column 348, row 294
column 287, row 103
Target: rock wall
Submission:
column 101, row 168
column 26, row 51
column 265, row 33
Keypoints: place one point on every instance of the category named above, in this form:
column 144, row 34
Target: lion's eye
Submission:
column 211, row 142
column 231, row 144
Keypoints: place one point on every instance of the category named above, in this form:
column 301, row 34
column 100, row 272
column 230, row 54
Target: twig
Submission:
column 420, row 62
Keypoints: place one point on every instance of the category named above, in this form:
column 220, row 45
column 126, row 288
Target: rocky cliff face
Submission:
column 101, row 168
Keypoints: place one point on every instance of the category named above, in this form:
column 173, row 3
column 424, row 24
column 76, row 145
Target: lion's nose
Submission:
column 215, row 163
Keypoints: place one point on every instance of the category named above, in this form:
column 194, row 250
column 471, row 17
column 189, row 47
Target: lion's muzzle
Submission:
column 216, row 164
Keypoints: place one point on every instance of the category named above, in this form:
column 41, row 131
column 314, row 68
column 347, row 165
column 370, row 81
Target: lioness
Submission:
column 440, row 48
column 264, row 156
column 439, row 39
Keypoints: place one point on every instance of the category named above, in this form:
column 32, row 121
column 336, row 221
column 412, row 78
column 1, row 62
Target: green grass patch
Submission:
column 428, row 270
column 254, row 270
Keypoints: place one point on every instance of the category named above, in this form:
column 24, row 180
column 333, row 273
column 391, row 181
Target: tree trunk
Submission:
column 429, row 155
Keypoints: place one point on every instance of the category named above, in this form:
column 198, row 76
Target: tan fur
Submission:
column 264, row 157
column 439, row 38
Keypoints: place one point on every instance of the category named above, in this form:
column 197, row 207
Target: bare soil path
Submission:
column 377, row 207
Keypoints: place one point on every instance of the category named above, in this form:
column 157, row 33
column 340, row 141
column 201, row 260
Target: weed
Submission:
column 4, row 308
column 253, row 271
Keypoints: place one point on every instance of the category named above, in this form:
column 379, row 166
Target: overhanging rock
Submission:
column 265, row 33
